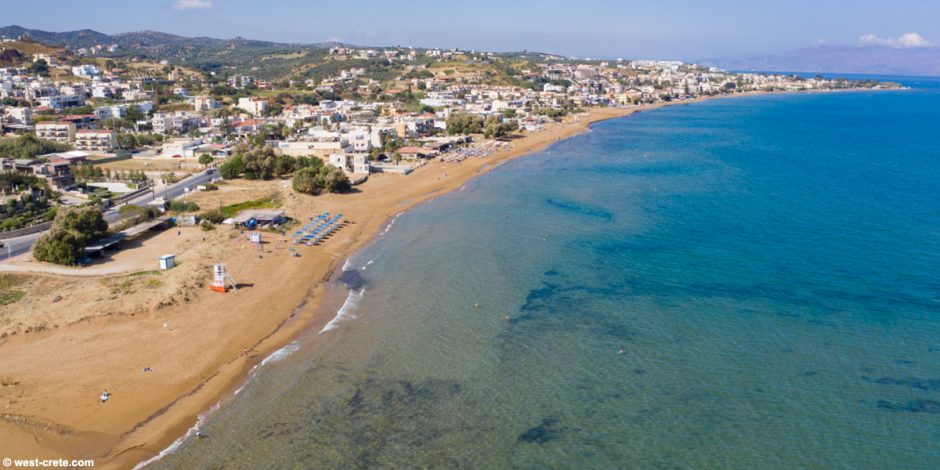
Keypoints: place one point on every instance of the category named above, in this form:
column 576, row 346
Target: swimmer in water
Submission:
column 621, row 351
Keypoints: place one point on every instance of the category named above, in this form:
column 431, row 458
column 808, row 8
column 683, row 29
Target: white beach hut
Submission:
column 167, row 262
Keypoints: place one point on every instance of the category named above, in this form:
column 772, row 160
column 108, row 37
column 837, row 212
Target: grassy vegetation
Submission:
column 262, row 203
column 183, row 206
column 152, row 272
column 8, row 294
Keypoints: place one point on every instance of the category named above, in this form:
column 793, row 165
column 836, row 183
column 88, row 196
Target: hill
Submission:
column 10, row 56
column 272, row 60
column 71, row 39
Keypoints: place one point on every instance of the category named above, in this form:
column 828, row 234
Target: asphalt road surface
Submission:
column 19, row 245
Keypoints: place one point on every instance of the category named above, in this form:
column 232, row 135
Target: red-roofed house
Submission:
column 248, row 126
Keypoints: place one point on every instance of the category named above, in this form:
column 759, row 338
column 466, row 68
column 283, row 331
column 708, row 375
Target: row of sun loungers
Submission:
column 310, row 226
column 320, row 228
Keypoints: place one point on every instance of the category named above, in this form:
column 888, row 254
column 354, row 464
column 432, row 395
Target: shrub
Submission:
column 316, row 180
column 183, row 206
column 306, row 181
column 262, row 203
column 213, row 216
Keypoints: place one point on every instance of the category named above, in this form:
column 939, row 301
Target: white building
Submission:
column 120, row 110
column 165, row 123
column 86, row 71
column 19, row 115
column 95, row 140
column 185, row 148
column 205, row 103
column 255, row 106
column 62, row 101
column 62, row 132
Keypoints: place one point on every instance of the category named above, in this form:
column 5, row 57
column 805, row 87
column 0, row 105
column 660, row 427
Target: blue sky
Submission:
column 682, row 29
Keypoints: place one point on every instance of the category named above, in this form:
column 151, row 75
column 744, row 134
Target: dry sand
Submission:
column 194, row 339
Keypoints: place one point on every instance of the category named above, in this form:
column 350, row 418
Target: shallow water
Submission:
column 769, row 266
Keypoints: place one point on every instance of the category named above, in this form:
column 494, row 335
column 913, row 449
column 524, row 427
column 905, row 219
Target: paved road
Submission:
column 170, row 192
column 19, row 245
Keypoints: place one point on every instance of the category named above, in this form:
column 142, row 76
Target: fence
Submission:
column 25, row 231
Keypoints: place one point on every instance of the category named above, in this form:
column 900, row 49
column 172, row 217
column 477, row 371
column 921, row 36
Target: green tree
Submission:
column 464, row 123
column 232, row 168
column 29, row 146
column 205, row 159
column 72, row 229
column 40, row 67
column 336, row 180
column 306, row 181
column 127, row 141
column 284, row 164
column 59, row 247
column 133, row 113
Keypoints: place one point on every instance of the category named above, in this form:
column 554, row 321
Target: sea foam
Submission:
column 345, row 312
column 203, row 417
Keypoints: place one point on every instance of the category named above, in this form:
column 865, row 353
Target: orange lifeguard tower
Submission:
column 221, row 279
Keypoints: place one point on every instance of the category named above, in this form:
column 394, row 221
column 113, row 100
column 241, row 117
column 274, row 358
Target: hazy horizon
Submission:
column 677, row 29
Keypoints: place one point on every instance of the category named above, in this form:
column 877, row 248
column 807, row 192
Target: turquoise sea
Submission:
column 768, row 266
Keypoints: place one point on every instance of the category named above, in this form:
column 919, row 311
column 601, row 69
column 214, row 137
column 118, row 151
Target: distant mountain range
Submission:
column 264, row 59
column 210, row 52
column 135, row 40
column 871, row 60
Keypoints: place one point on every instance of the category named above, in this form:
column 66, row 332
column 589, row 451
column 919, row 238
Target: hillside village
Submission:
column 387, row 116
column 100, row 125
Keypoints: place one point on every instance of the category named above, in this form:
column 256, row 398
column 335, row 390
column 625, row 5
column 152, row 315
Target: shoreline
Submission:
column 325, row 311
column 132, row 442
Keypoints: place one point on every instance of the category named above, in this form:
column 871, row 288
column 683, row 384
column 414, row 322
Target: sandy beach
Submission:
column 195, row 345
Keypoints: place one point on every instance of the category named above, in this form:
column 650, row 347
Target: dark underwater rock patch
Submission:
column 581, row 209
column 913, row 406
column 932, row 385
column 352, row 280
column 546, row 431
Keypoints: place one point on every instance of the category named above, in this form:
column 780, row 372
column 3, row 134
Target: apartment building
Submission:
column 95, row 140
column 205, row 103
column 62, row 132
column 255, row 106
